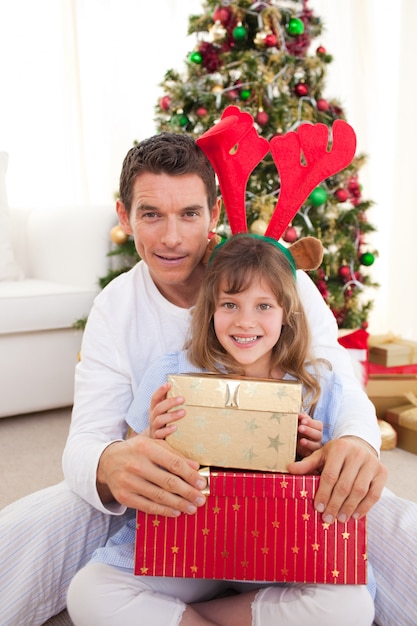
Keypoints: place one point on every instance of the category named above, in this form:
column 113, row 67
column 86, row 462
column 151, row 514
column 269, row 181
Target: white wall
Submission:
column 66, row 143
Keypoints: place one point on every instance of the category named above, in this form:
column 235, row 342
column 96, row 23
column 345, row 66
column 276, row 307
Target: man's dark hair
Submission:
column 166, row 153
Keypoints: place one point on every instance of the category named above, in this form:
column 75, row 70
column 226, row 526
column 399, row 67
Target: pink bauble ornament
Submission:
column 165, row 103
column 201, row 112
column 222, row 14
column 290, row 235
column 262, row 118
column 322, row 105
column 233, row 94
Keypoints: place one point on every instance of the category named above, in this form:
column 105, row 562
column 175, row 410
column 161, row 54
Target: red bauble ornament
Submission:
column 344, row 272
column 201, row 112
column 321, row 50
column 301, row 89
column 364, row 325
column 290, row 235
column 270, row 40
column 222, row 14
column 341, row 194
column 165, row 103
column 262, row 118
column 354, row 187
column 322, row 105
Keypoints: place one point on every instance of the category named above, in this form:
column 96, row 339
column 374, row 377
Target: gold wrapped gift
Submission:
column 392, row 351
column 237, row 422
column 404, row 419
column 387, row 391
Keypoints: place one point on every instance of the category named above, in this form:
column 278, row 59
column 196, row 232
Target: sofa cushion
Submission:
column 9, row 269
column 31, row 305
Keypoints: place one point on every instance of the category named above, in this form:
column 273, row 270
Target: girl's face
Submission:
column 248, row 325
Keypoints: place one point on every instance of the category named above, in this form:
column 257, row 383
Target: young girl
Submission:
column 248, row 320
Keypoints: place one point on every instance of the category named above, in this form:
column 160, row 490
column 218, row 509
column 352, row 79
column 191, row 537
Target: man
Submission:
column 168, row 203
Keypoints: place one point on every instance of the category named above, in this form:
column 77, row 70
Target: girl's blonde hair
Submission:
column 239, row 261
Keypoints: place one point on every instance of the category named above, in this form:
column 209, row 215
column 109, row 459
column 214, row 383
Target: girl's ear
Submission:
column 307, row 253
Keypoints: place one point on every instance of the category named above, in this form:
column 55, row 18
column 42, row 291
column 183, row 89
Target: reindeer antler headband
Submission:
column 234, row 149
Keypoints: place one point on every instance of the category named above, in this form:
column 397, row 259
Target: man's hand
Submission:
column 352, row 478
column 146, row 474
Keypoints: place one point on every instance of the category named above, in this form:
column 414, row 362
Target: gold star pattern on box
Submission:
column 237, row 422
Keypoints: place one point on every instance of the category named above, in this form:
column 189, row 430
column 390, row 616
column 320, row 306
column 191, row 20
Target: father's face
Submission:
column 170, row 221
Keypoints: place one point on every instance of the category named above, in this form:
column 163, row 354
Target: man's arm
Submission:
column 352, row 477
column 357, row 413
column 104, row 469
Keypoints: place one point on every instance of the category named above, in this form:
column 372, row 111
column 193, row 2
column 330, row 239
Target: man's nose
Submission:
column 172, row 233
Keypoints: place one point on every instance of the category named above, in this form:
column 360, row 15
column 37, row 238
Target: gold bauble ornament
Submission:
column 217, row 89
column 388, row 435
column 259, row 39
column 258, row 227
column 217, row 32
column 118, row 235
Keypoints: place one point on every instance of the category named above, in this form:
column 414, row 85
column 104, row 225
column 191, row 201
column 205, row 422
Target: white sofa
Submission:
column 61, row 253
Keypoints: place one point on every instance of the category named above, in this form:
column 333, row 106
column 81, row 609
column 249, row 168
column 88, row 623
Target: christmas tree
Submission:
column 260, row 56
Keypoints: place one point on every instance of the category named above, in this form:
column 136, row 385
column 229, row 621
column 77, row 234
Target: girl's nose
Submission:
column 245, row 320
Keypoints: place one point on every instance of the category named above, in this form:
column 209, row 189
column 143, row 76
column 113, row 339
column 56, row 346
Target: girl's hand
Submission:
column 161, row 413
column 310, row 432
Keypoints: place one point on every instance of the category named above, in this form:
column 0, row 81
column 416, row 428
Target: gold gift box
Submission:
column 392, row 351
column 387, row 390
column 404, row 419
column 237, row 422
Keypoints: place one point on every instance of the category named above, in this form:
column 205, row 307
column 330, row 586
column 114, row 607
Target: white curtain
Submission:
column 80, row 80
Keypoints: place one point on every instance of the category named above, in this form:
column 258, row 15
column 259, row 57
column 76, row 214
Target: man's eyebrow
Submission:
column 146, row 207
column 151, row 207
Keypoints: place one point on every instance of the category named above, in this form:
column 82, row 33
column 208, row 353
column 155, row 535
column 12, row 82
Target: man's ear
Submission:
column 215, row 214
column 307, row 253
column 211, row 244
column 123, row 217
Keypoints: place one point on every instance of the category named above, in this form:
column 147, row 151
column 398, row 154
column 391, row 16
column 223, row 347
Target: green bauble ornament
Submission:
column 239, row 32
column 179, row 119
column 367, row 258
column 245, row 94
column 295, row 27
column 318, row 196
column 196, row 57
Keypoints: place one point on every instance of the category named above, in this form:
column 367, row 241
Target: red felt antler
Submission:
column 234, row 148
column 299, row 180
